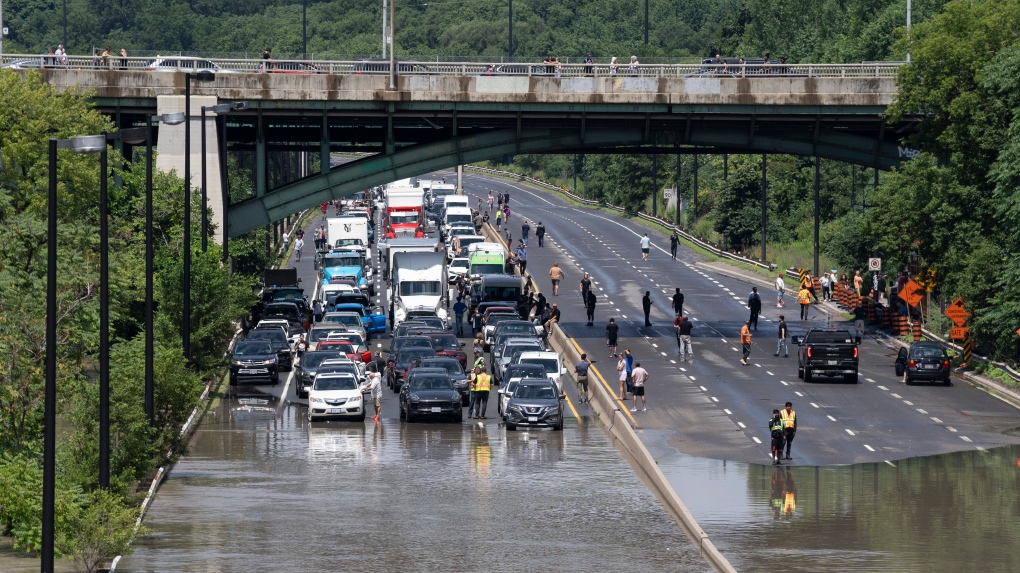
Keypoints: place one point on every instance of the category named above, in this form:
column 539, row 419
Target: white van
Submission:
column 453, row 215
column 550, row 361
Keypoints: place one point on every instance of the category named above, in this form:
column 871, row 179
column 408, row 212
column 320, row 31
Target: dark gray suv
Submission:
column 536, row 403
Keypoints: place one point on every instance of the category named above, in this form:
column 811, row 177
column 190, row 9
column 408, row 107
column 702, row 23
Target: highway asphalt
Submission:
column 714, row 406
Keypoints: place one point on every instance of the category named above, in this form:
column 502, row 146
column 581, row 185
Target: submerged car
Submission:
column 924, row 360
column 429, row 392
column 335, row 395
column 536, row 402
column 254, row 361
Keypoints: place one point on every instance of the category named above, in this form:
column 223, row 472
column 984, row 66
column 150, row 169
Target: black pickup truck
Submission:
column 827, row 352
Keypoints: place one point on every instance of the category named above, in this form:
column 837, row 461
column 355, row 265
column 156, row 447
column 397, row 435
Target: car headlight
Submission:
column 513, row 408
column 237, row 363
column 354, row 399
column 269, row 362
column 413, row 397
column 317, row 400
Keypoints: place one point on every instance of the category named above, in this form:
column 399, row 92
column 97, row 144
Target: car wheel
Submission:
column 899, row 370
column 402, row 415
column 908, row 380
column 807, row 375
column 361, row 418
column 851, row 378
column 458, row 418
column 800, row 372
column 408, row 415
column 559, row 427
column 947, row 382
column 511, row 427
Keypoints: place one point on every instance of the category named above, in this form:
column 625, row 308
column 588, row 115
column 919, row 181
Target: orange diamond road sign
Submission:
column 909, row 293
column 956, row 312
column 958, row 332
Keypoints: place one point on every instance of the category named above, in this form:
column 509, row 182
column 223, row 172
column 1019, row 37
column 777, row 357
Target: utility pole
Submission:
column 646, row 22
column 393, row 61
column 908, row 31
column 384, row 29
column 510, row 31
column 2, row 27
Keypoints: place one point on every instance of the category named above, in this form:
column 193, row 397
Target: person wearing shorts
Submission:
column 638, row 378
column 646, row 244
column 621, row 367
column 581, row 369
column 612, row 331
column 298, row 246
column 375, row 387
column 556, row 274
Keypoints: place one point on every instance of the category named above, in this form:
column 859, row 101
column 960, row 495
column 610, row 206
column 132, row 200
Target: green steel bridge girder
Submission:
column 419, row 159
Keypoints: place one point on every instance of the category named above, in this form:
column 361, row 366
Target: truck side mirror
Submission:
column 796, row 340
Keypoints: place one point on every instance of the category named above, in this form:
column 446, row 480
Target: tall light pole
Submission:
column 393, row 47
column 908, row 36
column 384, row 29
column 202, row 76
column 646, row 22
column 1, row 27
column 510, row 31
column 304, row 34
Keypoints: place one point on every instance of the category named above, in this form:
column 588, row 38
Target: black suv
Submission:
column 429, row 392
column 281, row 346
column 254, row 361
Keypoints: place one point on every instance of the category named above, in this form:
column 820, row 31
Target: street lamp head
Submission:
column 205, row 76
column 131, row 136
column 88, row 143
column 239, row 105
column 175, row 118
column 217, row 109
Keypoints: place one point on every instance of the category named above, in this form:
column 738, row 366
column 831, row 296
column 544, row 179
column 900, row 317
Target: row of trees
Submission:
column 801, row 30
column 91, row 523
column 956, row 207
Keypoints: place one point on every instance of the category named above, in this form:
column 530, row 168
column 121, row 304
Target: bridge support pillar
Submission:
column 170, row 153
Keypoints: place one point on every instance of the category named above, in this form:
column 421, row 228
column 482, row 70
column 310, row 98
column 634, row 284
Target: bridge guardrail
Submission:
column 456, row 69
column 707, row 245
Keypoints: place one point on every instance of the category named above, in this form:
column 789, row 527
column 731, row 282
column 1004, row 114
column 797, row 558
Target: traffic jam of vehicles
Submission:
column 420, row 244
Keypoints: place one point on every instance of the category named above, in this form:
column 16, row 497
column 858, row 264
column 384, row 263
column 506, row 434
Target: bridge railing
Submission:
column 459, row 69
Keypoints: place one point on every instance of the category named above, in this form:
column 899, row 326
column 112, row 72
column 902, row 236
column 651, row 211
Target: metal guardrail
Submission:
column 707, row 245
column 458, row 69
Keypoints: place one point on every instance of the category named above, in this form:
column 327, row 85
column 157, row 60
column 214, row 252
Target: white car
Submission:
column 335, row 395
column 551, row 361
column 184, row 64
column 267, row 322
column 458, row 267
column 458, row 245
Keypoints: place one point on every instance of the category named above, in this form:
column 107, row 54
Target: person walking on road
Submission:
column 745, row 342
column 540, row 233
column 299, row 245
column 375, row 388
column 479, row 394
column 686, row 347
column 826, row 283
column 522, row 259
column 556, row 274
column 778, row 437
column 646, row 244
column 585, row 287
column 628, row 360
column 646, row 304
column 589, row 306
column 678, row 302
column 581, row 369
column 317, row 310
column 783, row 333
column 638, row 378
column 674, row 242
column 476, row 322
column 859, row 319
column 499, row 220
column 621, row 368
column 804, row 298
column 789, row 426
column 780, row 291
column 754, row 304
column 525, row 230
column 612, row 332
column 286, row 241
column 458, row 311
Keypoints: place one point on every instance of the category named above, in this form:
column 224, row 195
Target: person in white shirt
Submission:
column 646, row 243
column 780, row 289
column 375, row 387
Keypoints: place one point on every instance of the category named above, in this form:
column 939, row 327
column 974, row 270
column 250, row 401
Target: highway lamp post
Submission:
column 169, row 119
column 304, row 36
column 510, row 31
column 215, row 110
column 202, row 76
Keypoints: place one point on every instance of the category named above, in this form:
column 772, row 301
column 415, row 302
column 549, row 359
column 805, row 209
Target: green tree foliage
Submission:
column 97, row 531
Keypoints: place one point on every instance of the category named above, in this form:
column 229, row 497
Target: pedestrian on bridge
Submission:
column 556, row 274
column 286, row 241
column 589, row 306
column 754, row 304
column 522, row 259
column 585, row 287
column 745, row 342
column 499, row 220
column 525, row 230
column 646, row 244
column 375, row 388
column 684, row 335
column 674, row 242
column 480, row 383
column 298, row 246
column 581, row 369
column 458, row 311
column 646, row 304
column 678, row 302
column 638, row 378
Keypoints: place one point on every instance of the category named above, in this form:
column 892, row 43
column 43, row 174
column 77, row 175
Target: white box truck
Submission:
column 347, row 233
column 419, row 283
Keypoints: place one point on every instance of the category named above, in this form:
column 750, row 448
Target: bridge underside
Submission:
column 408, row 144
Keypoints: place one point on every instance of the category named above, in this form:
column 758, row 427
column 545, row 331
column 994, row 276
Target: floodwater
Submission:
column 947, row 513
column 269, row 493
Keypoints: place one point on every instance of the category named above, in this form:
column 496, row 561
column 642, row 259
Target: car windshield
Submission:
column 416, row 341
column 344, row 347
column 459, row 262
column 548, row 364
column 349, row 319
column 345, row 261
column 486, row 269
column 515, row 349
column 351, row 298
column 409, row 354
column 347, row 367
column 516, row 329
column 348, row 243
column 927, row 352
column 335, row 383
column 495, row 319
column 534, row 391
column 458, row 218
column 524, row 371
column 420, row 288
column 355, row 338
column 430, row 382
column 407, row 218
column 356, row 308
column 287, row 296
column 270, row 334
column 289, row 312
column 451, row 366
column 252, row 347
column 502, row 293
column 432, row 321
column 313, row 359
column 444, row 340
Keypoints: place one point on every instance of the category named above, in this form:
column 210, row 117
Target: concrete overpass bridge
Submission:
column 437, row 116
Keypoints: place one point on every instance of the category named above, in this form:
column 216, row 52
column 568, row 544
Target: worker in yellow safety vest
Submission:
column 480, row 383
column 789, row 418
column 804, row 297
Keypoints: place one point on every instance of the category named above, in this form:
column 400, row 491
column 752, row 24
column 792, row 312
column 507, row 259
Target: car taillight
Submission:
column 855, row 352
column 912, row 364
column 945, row 365
column 809, row 352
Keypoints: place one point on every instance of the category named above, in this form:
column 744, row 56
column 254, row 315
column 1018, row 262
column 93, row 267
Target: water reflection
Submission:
column 953, row 512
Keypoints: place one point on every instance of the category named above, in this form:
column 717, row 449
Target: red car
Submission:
column 446, row 344
column 344, row 346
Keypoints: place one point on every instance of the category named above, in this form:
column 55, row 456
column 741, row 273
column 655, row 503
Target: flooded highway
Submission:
column 269, row 492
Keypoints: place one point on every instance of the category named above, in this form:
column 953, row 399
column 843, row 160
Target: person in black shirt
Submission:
column 674, row 242
column 778, row 437
column 754, row 303
column 540, row 233
column 612, row 331
column 590, row 307
column 585, row 287
column 646, row 304
column 678, row 302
